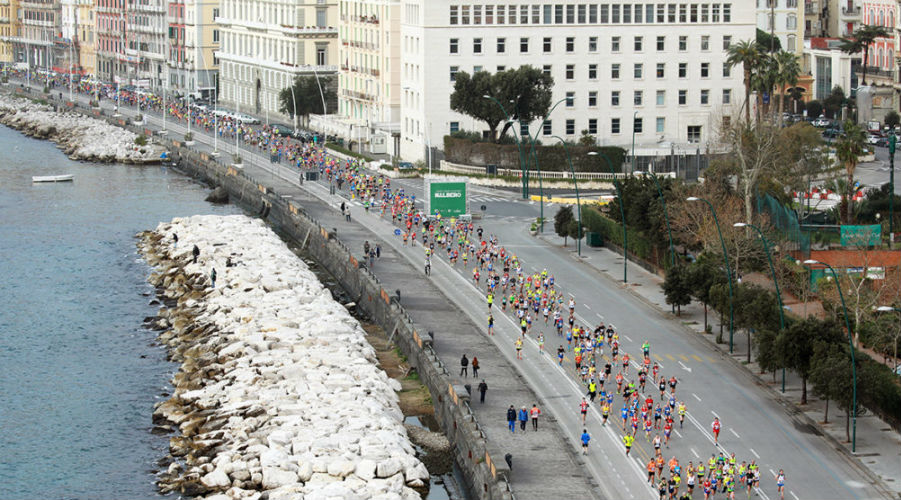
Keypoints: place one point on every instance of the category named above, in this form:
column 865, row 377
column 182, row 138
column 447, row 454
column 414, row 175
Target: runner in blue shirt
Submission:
column 585, row 439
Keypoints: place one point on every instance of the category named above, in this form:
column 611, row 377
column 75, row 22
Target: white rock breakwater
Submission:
column 278, row 395
column 80, row 137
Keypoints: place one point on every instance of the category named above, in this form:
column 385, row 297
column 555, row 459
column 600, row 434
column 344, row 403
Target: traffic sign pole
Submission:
column 891, row 198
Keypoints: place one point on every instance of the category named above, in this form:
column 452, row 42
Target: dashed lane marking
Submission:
column 697, row 358
column 792, row 493
column 696, row 396
column 658, row 357
column 670, row 357
column 683, row 357
column 754, row 453
column 734, row 433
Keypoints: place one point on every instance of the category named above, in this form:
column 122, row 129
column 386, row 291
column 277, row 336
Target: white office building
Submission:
column 654, row 68
column 265, row 44
column 785, row 20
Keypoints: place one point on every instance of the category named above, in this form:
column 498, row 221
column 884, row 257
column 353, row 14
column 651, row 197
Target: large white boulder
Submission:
column 274, row 477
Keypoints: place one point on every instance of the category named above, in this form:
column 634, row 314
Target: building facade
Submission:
column 147, row 42
column 84, row 37
column 109, row 40
column 369, row 55
column 266, row 44
column 843, row 17
column 9, row 29
column 193, row 40
column 785, row 20
column 39, row 27
column 658, row 69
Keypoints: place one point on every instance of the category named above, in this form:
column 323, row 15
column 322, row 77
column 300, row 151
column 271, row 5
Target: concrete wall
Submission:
column 483, row 466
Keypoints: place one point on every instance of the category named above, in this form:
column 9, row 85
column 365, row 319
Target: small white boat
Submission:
column 53, row 178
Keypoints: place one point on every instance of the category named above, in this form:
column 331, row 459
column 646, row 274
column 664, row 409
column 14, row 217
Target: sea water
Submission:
column 78, row 374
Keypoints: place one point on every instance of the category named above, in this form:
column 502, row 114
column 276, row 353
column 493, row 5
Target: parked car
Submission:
column 874, row 139
column 405, row 165
column 822, row 121
column 282, row 130
column 882, row 142
column 245, row 118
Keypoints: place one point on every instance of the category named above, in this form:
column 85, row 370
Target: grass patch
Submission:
column 412, row 376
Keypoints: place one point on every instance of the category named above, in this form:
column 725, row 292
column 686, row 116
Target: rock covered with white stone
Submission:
column 278, row 390
column 80, row 137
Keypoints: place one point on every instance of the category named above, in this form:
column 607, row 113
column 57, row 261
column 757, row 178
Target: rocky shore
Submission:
column 80, row 137
column 278, row 394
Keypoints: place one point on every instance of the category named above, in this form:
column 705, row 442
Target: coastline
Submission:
column 278, row 391
column 79, row 137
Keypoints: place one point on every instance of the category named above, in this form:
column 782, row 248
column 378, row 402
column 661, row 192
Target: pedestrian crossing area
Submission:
column 488, row 199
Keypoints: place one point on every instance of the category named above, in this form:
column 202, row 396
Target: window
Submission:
column 592, row 126
column 705, row 96
column 694, row 13
column 661, row 124
column 661, row 67
column 614, row 71
column 715, row 13
column 661, row 43
column 593, row 44
column 454, row 45
column 592, row 14
column 523, row 128
column 489, row 14
column 454, row 14
column 546, row 69
column 592, row 99
column 523, row 45
column 638, row 43
column 570, row 71
column 546, row 46
column 614, row 45
column 727, row 96
column 548, row 14
column 570, row 14
column 694, row 133
column 581, row 14
column 705, row 42
column 661, row 13
column 705, row 70
column 637, row 70
column 637, row 125
column 661, row 97
column 614, row 14
column 500, row 14
column 683, row 70
column 215, row 36
column 501, row 45
column 476, row 14
column 501, row 69
column 558, row 14
column 683, row 13
column 570, row 99
column 614, row 125
column 476, row 69
column 605, row 14
column 614, row 98
column 683, row 43
column 727, row 70
column 705, row 13
column 683, row 97
column 637, row 98
column 476, row 45
column 570, row 44
column 453, row 73
column 454, row 127
column 592, row 71
column 546, row 128
column 570, row 127
column 727, row 41
column 627, row 14
column 727, row 18
column 536, row 14
column 464, row 14
column 791, row 42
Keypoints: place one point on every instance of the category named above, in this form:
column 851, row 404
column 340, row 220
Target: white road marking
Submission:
column 754, row 453
column 600, row 316
column 695, row 453
column 792, row 493
column 684, row 367
column 714, row 414
column 696, row 396
column 734, row 433
column 587, row 306
column 678, row 433
column 627, row 338
column 773, row 473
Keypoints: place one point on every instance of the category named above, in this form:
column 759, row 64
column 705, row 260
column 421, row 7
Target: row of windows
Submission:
column 616, row 71
column 547, row 128
column 616, row 44
column 591, row 14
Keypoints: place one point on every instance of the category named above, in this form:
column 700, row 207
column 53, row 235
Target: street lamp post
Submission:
column 766, row 250
column 578, row 200
column 534, row 153
column 838, row 286
column 522, row 168
column 634, row 117
column 894, row 337
column 728, row 269
column 669, row 232
column 622, row 212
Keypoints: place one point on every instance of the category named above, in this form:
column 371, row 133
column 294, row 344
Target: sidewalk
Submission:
column 878, row 446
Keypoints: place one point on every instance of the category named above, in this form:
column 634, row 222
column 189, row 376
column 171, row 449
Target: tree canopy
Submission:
column 309, row 99
column 861, row 40
column 524, row 93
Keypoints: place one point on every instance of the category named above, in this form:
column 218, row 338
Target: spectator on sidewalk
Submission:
column 511, row 419
column 523, row 418
column 483, row 388
column 464, row 366
column 534, row 412
column 475, row 367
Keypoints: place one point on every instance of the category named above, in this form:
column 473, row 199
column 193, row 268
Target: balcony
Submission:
column 850, row 12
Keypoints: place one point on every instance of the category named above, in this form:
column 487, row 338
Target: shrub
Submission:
column 141, row 140
column 236, row 158
column 189, row 137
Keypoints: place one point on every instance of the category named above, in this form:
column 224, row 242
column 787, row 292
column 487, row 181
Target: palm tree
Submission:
column 788, row 69
column 747, row 54
column 860, row 41
column 848, row 148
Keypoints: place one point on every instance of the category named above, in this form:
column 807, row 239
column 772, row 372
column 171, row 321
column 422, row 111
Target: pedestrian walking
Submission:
column 347, row 215
column 343, row 208
column 475, row 367
column 534, row 412
column 366, row 249
column 523, row 418
column 483, row 388
column 585, row 439
column 378, row 251
column 196, row 253
column 464, row 366
column 511, row 419
column 213, row 277
column 174, row 241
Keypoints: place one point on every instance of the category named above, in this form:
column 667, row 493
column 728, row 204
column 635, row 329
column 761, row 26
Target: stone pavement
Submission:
column 544, row 463
column 878, row 445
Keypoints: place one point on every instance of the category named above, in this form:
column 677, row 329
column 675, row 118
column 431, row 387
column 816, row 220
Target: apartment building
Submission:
column 9, row 29
column 84, row 37
column 39, row 27
column 193, row 40
column 369, row 55
column 785, row 20
column 266, row 44
column 147, row 43
column 656, row 69
column 843, row 17
column 109, row 36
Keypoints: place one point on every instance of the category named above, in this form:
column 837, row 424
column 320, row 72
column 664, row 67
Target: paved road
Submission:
column 755, row 424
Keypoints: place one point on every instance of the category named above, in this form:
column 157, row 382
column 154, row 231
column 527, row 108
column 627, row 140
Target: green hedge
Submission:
column 342, row 149
column 879, row 389
column 550, row 158
column 596, row 222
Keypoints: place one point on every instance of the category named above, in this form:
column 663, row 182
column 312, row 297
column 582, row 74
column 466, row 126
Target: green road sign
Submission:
column 447, row 198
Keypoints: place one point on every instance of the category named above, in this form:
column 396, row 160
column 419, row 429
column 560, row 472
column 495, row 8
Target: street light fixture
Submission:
column 766, row 250
column 728, row 269
column 838, row 286
column 669, row 232
column 578, row 201
column 622, row 212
